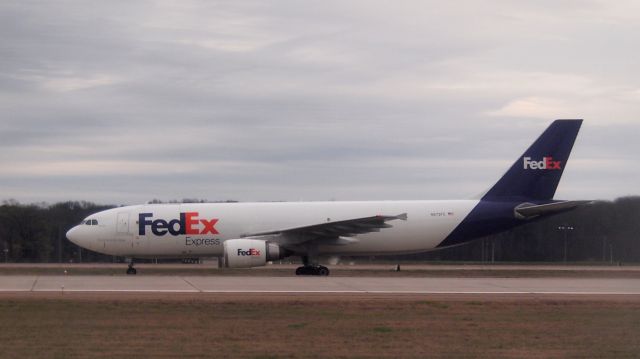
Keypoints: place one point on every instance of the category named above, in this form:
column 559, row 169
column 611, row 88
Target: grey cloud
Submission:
column 281, row 100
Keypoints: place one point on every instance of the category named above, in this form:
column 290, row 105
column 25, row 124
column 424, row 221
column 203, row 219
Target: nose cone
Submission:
column 73, row 235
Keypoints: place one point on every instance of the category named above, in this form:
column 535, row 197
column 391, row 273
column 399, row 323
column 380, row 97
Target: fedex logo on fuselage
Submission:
column 248, row 252
column 188, row 223
column 547, row 163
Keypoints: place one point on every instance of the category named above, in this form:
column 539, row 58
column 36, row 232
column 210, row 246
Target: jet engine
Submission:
column 247, row 253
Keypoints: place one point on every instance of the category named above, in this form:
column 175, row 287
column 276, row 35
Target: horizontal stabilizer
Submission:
column 529, row 210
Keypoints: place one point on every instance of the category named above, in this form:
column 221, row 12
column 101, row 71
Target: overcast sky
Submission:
column 124, row 102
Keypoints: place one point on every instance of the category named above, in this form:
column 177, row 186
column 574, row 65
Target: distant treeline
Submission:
column 604, row 231
column 36, row 232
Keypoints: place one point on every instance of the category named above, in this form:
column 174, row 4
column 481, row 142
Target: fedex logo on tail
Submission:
column 547, row 163
column 188, row 223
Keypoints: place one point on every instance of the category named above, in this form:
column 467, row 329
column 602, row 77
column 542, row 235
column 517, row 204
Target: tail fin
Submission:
column 536, row 174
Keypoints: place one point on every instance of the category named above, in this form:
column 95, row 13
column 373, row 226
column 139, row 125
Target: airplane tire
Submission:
column 311, row 270
column 131, row 271
column 323, row 271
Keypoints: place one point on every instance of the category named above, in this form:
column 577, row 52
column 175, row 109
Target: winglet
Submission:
column 402, row 217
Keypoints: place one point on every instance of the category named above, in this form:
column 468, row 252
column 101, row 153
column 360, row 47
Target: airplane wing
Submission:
column 337, row 232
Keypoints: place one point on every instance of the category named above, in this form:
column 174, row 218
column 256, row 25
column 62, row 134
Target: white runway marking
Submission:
column 305, row 292
column 119, row 290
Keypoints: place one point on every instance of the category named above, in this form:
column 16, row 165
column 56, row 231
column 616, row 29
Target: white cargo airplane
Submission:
column 251, row 234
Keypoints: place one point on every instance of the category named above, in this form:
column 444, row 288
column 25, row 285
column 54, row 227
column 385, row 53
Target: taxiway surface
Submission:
column 361, row 285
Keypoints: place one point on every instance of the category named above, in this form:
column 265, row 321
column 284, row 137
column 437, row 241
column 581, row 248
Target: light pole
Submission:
column 59, row 244
column 565, row 229
column 493, row 250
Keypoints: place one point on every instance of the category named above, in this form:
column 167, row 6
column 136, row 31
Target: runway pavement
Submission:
column 335, row 285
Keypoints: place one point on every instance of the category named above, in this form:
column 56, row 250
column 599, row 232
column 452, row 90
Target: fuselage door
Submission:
column 123, row 223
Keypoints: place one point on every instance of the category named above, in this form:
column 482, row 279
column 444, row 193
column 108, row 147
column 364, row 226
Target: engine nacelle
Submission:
column 247, row 253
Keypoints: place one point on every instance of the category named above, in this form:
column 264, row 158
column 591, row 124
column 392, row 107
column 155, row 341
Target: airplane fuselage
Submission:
column 157, row 230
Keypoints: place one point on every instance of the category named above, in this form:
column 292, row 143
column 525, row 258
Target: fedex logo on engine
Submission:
column 547, row 163
column 248, row 252
column 188, row 223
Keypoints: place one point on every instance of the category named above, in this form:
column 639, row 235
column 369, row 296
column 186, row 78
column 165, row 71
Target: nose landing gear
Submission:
column 131, row 270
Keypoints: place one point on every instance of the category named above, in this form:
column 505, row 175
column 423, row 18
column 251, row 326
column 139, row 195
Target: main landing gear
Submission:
column 310, row 267
column 312, row 270
column 131, row 270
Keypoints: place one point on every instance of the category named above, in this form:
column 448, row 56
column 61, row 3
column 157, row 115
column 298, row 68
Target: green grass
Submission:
column 382, row 330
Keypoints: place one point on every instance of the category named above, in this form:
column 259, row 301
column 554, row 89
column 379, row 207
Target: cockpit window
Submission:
column 94, row 222
column 88, row 222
